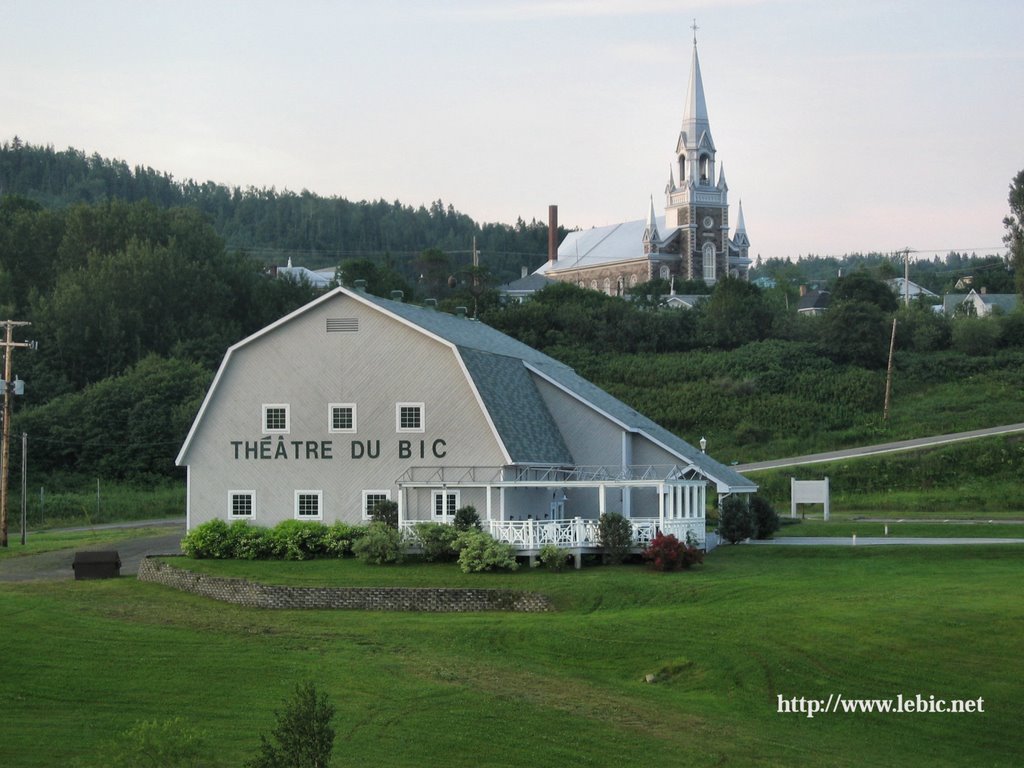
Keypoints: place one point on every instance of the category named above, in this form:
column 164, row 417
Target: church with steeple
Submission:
column 690, row 240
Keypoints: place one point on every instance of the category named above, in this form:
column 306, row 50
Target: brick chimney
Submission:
column 552, row 234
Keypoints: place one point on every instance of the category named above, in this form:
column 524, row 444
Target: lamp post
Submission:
column 703, row 445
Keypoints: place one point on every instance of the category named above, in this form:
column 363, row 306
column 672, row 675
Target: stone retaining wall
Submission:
column 254, row 595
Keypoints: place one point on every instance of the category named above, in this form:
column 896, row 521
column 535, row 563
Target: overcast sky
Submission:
column 843, row 125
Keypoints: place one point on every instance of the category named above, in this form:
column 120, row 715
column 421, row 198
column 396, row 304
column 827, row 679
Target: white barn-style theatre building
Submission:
column 353, row 399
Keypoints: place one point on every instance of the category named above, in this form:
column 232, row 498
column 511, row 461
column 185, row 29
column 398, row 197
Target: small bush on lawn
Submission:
column 766, row 519
column 553, row 557
column 466, row 518
column 303, row 736
column 380, row 544
column 438, row 542
column 736, row 522
column 298, row 539
column 480, row 552
column 166, row 743
column 339, row 539
column 667, row 553
column 209, row 540
column 616, row 535
column 249, row 542
column 385, row 512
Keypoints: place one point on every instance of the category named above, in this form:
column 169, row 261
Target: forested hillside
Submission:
column 273, row 225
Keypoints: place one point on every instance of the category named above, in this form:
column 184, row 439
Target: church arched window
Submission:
column 682, row 169
column 665, row 272
column 632, row 281
column 593, row 285
column 608, row 286
column 705, row 168
column 709, row 262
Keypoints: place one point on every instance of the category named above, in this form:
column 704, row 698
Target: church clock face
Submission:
column 708, row 222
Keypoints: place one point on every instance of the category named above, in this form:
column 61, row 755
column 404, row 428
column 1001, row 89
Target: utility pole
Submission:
column 888, row 374
column 10, row 388
column 906, row 277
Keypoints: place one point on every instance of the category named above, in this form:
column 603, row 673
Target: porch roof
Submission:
column 548, row 476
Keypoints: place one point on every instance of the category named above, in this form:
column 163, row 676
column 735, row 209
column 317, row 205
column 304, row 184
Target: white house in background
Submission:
column 354, row 399
column 982, row 303
column 903, row 288
column 320, row 278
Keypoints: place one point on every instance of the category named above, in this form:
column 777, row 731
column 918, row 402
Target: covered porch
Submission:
column 530, row 507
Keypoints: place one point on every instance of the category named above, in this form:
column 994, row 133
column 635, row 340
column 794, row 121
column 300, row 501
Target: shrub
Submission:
column 616, row 535
column 167, row 743
column 553, row 557
column 480, row 552
column 209, row 540
column 249, row 542
column 298, row 539
column 438, row 541
column 466, row 518
column 385, row 512
column 380, row 544
column 340, row 537
column 667, row 553
column 766, row 519
column 303, row 736
column 736, row 523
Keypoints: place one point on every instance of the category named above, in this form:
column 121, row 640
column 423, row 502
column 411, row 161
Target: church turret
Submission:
column 651, row 236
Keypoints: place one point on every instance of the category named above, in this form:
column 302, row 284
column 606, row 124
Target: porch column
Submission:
column 661, row 506
column 688, row 501
column 401, row 506
column 702, row 508
column 627, row 461
column 680, row 491
column 488, row 492
column 501, row 504
column 601, row 504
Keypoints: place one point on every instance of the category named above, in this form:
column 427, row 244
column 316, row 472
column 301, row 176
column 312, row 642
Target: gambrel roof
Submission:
column 504, row 373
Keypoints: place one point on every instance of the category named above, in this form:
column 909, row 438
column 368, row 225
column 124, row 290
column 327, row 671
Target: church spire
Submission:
column 695, row 113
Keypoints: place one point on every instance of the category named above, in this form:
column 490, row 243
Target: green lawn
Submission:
column 84, row 660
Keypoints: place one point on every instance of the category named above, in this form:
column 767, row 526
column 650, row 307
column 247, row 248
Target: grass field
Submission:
column 85, row 660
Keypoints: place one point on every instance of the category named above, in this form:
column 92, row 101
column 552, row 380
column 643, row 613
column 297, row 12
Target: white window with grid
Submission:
column 241, row 504
column 444, row 504
column 341, row 417
column 309, row 505
column 371, row 499
column 409, row 417
column 276, row 419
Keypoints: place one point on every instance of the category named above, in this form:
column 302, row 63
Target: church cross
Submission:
column 694, row 27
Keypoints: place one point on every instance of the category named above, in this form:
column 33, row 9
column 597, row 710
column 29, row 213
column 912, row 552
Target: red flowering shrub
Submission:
column 667, row 553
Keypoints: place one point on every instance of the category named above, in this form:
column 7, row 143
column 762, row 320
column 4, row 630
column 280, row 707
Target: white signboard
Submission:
column 808, row 492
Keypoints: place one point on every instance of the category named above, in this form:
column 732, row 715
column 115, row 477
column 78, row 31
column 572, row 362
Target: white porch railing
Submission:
column 578, row 533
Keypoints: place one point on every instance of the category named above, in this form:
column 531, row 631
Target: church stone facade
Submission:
column 689, row 241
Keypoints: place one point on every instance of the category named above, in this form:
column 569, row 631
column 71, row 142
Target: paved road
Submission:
column 57, row 565
column 899, row 445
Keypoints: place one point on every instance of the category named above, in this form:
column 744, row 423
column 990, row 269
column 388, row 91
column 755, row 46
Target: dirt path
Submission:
column 57, row 565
